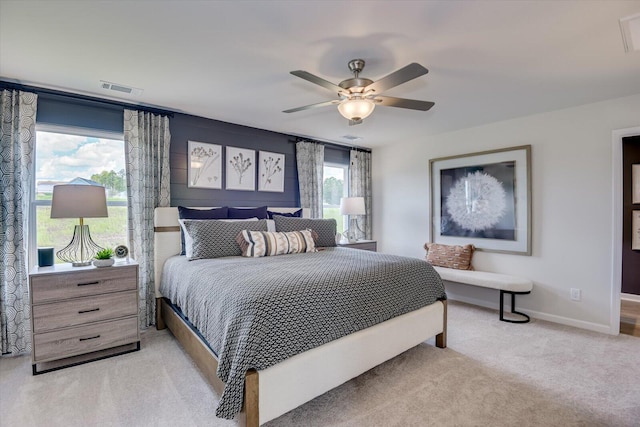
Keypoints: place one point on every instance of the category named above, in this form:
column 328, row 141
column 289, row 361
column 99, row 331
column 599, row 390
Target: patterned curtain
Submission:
column 360, row 186
column 146, row 138
column 310, row 160
column 17, row 139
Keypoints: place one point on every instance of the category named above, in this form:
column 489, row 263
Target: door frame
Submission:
column 616, row 245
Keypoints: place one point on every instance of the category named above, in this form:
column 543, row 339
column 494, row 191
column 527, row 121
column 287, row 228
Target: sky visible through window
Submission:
column 62, row 157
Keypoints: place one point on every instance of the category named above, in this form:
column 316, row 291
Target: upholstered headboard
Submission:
column 167, row 236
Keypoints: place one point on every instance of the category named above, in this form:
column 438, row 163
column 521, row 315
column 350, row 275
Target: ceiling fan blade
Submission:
column 396, row 78
column 307, row 107
column 317, row 80
column 411, row 104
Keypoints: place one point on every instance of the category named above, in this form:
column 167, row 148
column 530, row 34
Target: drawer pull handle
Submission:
column 88, row 283
column 89, row 311
column 90, row 338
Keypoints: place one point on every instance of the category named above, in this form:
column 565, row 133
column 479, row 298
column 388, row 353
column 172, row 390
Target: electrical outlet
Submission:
column 576, row 294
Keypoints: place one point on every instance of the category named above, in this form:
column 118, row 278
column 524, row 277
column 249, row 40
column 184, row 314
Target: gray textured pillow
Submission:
column 326, row 228
column 217, row 238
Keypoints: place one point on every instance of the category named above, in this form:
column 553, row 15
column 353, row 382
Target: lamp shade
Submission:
column 356, row 108
column 78, row 201
column 352, row 206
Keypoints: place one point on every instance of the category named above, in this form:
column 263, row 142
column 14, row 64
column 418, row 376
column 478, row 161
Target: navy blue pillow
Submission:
column 188, row 213
column 246, row 213
column 214, row 213
column 295, row 214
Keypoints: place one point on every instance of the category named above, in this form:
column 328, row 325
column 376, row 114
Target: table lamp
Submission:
column 79, row 201
column 352, row 206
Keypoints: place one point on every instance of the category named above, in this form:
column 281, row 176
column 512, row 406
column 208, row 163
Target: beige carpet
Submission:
column 492, row 374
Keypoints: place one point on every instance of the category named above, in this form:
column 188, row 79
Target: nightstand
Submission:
column 367, row 245
column 81, row 314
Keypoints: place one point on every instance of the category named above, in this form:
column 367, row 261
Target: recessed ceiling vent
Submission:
column 122, row 89
column 352, row 137
column 630, row 27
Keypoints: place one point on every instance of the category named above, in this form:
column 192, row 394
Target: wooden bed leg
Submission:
column 159, row 320
column 251, row 399
column 441, row 338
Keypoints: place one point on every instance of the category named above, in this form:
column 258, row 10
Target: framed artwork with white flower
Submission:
column 483, row 199
column 271, row 171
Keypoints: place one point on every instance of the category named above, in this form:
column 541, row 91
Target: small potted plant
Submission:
column 104, row 258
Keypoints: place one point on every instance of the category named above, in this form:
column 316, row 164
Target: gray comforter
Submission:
column 256, row 312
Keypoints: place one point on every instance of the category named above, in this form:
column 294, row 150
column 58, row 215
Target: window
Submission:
column 335, row 180
column 64, row 155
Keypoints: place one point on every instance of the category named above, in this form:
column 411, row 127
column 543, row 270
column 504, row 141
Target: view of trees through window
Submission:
column 64, row 158
column 334, row 188
column 114, row 182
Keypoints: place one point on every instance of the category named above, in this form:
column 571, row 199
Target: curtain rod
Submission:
column 332, row 144
column 39, row 90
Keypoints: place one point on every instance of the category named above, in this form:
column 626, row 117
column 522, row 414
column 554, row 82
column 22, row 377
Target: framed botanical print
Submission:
column 241, row 169
column 271, row 171
column 204, row 167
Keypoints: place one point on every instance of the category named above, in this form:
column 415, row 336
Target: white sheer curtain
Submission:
column 310, row 161
column 17, row 139
column 360, row 186
column 147, row 139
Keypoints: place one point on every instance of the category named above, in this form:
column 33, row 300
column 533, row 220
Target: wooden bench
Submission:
column 506, row 284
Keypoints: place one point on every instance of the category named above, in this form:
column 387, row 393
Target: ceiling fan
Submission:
column 358, row 96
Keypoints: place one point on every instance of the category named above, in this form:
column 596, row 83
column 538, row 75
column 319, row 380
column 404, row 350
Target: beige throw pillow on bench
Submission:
column 450, row 256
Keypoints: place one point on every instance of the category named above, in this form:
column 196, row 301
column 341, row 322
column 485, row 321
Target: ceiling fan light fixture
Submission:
column 356, row 109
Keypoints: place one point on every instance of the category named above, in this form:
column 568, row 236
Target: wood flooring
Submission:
column 630, row 317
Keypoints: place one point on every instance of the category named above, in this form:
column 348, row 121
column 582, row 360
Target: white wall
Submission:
column 572, row 206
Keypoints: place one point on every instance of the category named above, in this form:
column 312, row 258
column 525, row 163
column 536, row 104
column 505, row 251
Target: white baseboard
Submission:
column 597, row 327
column 630, row 297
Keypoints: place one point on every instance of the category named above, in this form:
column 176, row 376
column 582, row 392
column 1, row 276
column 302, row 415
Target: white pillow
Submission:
column 271, row 225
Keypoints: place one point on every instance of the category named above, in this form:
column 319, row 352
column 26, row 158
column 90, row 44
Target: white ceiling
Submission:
column 230, row 60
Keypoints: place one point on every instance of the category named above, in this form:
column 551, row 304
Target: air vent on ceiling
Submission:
column 122, row 89
column 630, row 27
column 352, row 137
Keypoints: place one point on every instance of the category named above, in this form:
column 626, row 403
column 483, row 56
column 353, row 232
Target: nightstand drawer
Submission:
column 95, row 281
column 84, row 339
column 84, row 310
column 366, row 245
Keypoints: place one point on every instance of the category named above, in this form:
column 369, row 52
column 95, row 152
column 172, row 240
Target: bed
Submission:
column 300, row 370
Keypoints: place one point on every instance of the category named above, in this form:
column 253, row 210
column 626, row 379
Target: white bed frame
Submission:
column 280, row 388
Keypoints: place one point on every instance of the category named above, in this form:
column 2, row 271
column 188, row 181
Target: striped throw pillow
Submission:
column 270, row 243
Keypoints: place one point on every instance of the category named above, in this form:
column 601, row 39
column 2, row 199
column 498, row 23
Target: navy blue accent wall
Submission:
column 58, row 108
column 186, row 128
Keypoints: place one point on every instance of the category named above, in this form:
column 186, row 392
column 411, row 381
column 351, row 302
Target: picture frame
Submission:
column 240, row 169
column 483, row 199
column 635, row 230
column 271, row 171
column 204, row 165
column 635, row 184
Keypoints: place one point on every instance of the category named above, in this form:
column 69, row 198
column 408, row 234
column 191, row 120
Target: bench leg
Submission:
column 513, row 307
